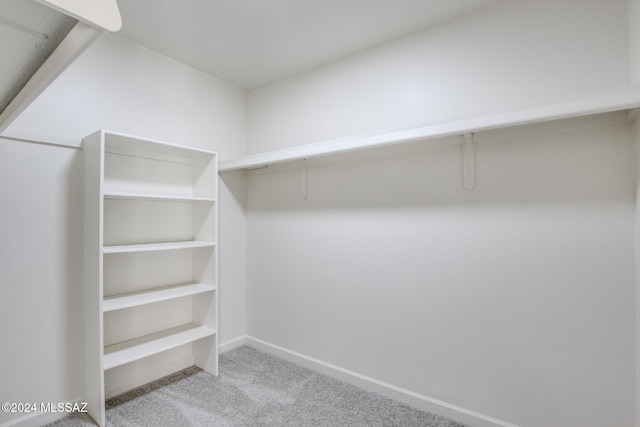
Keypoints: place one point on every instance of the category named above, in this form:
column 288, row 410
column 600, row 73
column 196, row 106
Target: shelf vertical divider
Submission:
column 93, row 344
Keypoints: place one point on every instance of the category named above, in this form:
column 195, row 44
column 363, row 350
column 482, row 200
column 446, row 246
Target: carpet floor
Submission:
column 254, row 389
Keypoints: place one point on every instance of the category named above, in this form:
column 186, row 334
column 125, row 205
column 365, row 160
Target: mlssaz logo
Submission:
column 64, row 407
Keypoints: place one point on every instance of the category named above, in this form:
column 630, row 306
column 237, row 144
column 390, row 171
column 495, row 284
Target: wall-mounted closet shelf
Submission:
column 622, row 99
column 148, row 345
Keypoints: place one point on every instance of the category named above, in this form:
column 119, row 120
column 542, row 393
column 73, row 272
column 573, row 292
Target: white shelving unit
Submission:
column 150, row 263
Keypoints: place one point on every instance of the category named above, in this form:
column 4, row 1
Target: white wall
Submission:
column 40, row 274
column 516, row 300
column 118, row 85
column 232, row 258
column 123, row 87
column 514, row 54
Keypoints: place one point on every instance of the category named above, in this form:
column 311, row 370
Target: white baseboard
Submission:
column 37, row 419
column 232, row 344
column 416, row 400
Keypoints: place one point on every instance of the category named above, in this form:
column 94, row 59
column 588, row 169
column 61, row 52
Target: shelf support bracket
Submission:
column 468, row 162
column 303, row 177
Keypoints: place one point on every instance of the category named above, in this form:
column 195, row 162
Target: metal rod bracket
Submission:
column 468, row 162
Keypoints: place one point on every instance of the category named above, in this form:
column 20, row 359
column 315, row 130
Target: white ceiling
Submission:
column 253, row 42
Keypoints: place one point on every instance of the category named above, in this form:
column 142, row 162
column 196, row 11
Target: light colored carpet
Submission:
column 255, row 389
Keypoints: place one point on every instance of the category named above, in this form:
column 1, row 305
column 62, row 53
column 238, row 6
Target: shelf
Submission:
column 622, row 99
column 138, row 348
column 135, row 299
column 116, row 142
column 149, row 247
column 114, row 195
